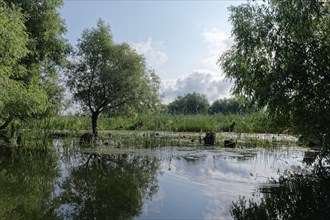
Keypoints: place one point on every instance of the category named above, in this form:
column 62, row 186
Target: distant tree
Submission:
column 231, row 106
column 281, row 59
column 224, row 106
column 110, row 78
column 192, row 103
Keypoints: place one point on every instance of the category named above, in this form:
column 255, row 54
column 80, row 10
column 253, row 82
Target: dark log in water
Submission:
column 209, row 139
column 229, row 143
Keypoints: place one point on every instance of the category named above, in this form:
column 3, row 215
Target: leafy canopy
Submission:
column 232, row 106
column 17, row 99
column 108, row 77
column 14, row 39
column 281, row 59
column 192, row 103
column 32, row 51
column 48, row 49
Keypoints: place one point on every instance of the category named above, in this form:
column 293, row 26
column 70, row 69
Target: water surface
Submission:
column 115, row 183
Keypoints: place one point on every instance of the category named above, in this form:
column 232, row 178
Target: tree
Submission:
column 107, row 77
column 231, row 106
column 44, row 26
column 32, row 51
column 17, row 100
column 14, row 39
column 281, row 59
column 224, row 106
column 192, row 103
column 48, row 48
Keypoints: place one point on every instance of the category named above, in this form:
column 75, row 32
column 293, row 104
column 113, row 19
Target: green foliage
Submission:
column 47, row 47
column 14, row 39
column 231, row 106
column 281, row 59
column 17, row 99
column 192, row 103
column 45, row 28
column 32, row 50
column 20, row 101
column 110, row 78
column 61, row 123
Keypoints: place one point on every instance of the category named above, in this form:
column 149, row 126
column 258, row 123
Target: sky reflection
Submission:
column 201, row 184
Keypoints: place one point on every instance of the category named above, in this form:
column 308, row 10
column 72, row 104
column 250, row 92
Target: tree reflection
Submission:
column 109, row 187
column 296, row 196
column 27, row 181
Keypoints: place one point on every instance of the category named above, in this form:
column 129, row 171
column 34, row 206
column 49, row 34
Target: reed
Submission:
column 248, row 123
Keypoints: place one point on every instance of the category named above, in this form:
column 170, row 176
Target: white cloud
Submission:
column 154, row 52
column 217, row 43
column 210, row 84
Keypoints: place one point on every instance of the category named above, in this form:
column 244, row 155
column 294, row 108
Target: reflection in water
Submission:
column 108, row 187
column 27, row 180
column 109, row 183
column 296, row 196
column 204, row 185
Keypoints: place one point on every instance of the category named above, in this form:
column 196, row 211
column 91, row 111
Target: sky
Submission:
column 180, row 40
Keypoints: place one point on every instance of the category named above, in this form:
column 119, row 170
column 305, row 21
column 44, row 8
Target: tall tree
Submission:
column 32, row 51
column 192, row 103
column 17, row 100
column 281, row 59
column 107, row 77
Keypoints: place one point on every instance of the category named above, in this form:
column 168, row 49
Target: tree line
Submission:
column 195, row 103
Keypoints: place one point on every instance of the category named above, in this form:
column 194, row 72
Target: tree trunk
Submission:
column 95, row 115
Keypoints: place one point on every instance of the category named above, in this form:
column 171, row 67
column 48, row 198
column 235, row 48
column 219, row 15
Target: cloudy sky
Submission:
column 181, row 40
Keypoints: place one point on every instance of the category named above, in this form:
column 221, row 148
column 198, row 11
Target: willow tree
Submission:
column 31, row 52
column 281, row 59
column 107, row 78
column 18, row 99
column 48, row 49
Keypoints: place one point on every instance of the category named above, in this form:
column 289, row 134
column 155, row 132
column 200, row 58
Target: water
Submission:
column 162, row 183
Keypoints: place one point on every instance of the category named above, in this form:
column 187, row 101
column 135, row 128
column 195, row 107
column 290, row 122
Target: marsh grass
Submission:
column 154, row 130
column 148, row 139
column 153, row 139
column 248, row 123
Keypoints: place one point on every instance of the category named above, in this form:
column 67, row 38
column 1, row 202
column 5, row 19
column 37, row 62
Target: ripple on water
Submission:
column 229, row 166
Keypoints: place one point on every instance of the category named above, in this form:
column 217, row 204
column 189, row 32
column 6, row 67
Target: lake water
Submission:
column 116, row 183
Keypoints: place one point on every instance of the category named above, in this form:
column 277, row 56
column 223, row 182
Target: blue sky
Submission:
column 181, row 40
